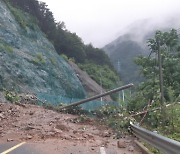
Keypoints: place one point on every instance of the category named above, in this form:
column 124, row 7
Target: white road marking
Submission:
column 102, row 150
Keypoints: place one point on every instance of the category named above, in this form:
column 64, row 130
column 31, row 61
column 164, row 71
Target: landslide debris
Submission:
column 33, row 123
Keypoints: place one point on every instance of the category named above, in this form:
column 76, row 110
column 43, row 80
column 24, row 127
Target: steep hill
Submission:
column 29, row 62
column 132, row 43
column 91, row 87
column 122, row 53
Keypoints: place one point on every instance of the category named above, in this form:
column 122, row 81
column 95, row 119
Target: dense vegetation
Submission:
column 170, row 52
column 64, row 41
column 102, row 74
column 122, row 53
column 162, row 117
column 145, row 106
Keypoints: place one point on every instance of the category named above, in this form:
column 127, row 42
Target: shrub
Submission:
column 64, row 57
column 22, row 17
column 39, row 59
column 115, row 117
column 5, row 47
column 53, row 61
column 11, row 96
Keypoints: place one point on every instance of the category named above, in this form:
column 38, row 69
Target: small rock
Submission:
column 28, row 128
column 50, row 124
column 1, row 116
column 74, row 131
column 84, row 135
column 131, row 148
column 31, row 113
column 106, row 134
column 121, row 144
column 52, row 134
column 128, row 141
column 9, row 111
column 66, row 137
column 62, row 127
column 57, row 131
column 29, row 137
column 9, row 140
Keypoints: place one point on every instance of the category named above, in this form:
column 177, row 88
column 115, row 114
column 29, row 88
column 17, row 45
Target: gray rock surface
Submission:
column 91, row 87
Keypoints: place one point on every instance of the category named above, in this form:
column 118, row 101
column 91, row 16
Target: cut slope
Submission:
column 29, row 62
column 91, row 87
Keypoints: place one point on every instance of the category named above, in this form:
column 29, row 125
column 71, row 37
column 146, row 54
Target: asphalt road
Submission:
column 25, row 148
column 17, row 148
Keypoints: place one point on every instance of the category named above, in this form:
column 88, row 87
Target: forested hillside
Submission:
column 122, row 54
column 149, row 94
column 64, row 41
column 132, row 43
column 153, row 106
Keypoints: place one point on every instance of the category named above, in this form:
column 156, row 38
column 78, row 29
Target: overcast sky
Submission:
column 100, row 21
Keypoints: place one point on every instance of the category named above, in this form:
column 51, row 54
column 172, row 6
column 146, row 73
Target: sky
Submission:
column 101, row 21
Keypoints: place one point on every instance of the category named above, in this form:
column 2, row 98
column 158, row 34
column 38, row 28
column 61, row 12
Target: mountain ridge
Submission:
column 132, row 43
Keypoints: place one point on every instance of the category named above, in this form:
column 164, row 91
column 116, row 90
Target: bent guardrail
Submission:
column 162, row 143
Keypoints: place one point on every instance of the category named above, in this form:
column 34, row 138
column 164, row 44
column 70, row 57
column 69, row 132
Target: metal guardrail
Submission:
column 162, row 143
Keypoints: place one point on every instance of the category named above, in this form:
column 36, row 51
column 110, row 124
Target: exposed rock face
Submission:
column 91, row 87
column 29, row 62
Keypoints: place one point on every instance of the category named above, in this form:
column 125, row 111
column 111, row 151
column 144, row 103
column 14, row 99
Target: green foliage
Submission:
column 39, row 59
column 152, row 149
column 101, row 74
column 65, row 42
column 136, row 103
column 68, row 44
column 149, row 90
column 72, row 60
column 22, row 17
column 115, row 117
column 97, row 56
column 107, row 110
column 81, row 119
column 64, row 57
column 166, row 119
column 11, row 96
column 5, row 47
column 122, row 57
column 53, row 61
column 171, row 126
column 172, row 130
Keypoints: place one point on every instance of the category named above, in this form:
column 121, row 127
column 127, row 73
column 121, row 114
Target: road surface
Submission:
column 28, row 148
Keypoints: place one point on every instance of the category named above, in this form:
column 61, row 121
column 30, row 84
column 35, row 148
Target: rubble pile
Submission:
column 32, row 123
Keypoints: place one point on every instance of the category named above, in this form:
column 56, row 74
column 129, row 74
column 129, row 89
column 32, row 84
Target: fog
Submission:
column 101, row 21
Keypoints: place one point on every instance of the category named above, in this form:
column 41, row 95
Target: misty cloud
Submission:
column 100, row 22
